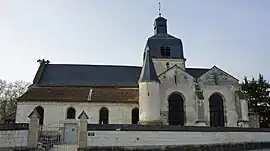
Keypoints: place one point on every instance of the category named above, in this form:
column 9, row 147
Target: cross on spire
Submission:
column 159, row 6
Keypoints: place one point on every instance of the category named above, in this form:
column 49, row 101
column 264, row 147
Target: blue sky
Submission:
column 231, row 34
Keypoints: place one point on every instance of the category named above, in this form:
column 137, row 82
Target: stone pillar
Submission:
column 200, row 110
column 83, row 131
column 244, row 122
column 244, row 109
column 200, row 106
column 33, row 131
column 254, row 120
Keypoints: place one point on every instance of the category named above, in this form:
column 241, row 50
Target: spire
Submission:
column 148, row 73
column 160, row 25
column 159, row 13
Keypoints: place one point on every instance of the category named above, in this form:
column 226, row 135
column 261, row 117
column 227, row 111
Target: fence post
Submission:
column 83, row 130
column 33, row 130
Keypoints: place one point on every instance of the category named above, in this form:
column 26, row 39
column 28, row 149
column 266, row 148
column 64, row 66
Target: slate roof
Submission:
column 161, row 38
column 95, row 75
column 55, row 94
column 148, row 73
column 156, row 41
column 81, row 94
column 115, row 95
column 89, row 75
column 196, row 72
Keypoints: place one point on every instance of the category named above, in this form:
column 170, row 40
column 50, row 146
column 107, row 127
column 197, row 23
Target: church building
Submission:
column 162, row 91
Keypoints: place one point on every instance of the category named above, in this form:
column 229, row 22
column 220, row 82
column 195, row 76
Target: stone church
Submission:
column 162, row 91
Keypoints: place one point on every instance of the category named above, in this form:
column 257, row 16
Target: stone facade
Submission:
column 185, row 85
column 55, row 112
column 121, row 113
column 153, row 98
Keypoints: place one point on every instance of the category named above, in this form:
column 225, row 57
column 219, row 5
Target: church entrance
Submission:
column 216, row 108
column 176, row 110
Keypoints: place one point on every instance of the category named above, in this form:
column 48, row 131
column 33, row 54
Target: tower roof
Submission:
column 162, row 39
column 159, row 18
column 160, row 25
column 148, row 72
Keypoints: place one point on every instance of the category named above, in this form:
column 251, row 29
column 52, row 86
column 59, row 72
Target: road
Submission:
column 260, row 150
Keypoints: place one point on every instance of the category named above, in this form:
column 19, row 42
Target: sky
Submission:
column 231, row 34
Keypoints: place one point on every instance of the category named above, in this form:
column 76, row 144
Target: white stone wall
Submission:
column 13, row 138
column 160, row 64
column 229, row 102
column 150, row 138
column 55, row 112
column 149, row 101
column 185, row 86
column 187, row 90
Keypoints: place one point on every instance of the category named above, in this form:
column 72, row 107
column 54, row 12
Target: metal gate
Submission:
column 58, row 137
column 50, row 135
column 70, row 134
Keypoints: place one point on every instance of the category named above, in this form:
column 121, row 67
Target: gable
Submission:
column 194, row 72
column 176, row 75
column 216, row 76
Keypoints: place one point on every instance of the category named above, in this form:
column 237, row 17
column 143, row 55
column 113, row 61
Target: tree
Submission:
column 9, row 92
column 257, row 92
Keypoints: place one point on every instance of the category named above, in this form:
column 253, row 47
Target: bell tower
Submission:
column 166, row 50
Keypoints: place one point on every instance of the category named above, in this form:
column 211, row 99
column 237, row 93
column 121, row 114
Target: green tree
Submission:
column 257, row 92
column 9, row 92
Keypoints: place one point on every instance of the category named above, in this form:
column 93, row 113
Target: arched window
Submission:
column 40, row 111
column 103, row 116
column 135, row 115
column 71, row 113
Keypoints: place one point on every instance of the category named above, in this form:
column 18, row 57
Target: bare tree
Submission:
column 9, row 92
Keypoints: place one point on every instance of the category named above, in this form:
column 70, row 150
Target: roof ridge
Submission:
column 107, row 65
column 198, row 68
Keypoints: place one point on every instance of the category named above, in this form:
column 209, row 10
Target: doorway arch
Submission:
column 176, row 115
column 216, row 108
